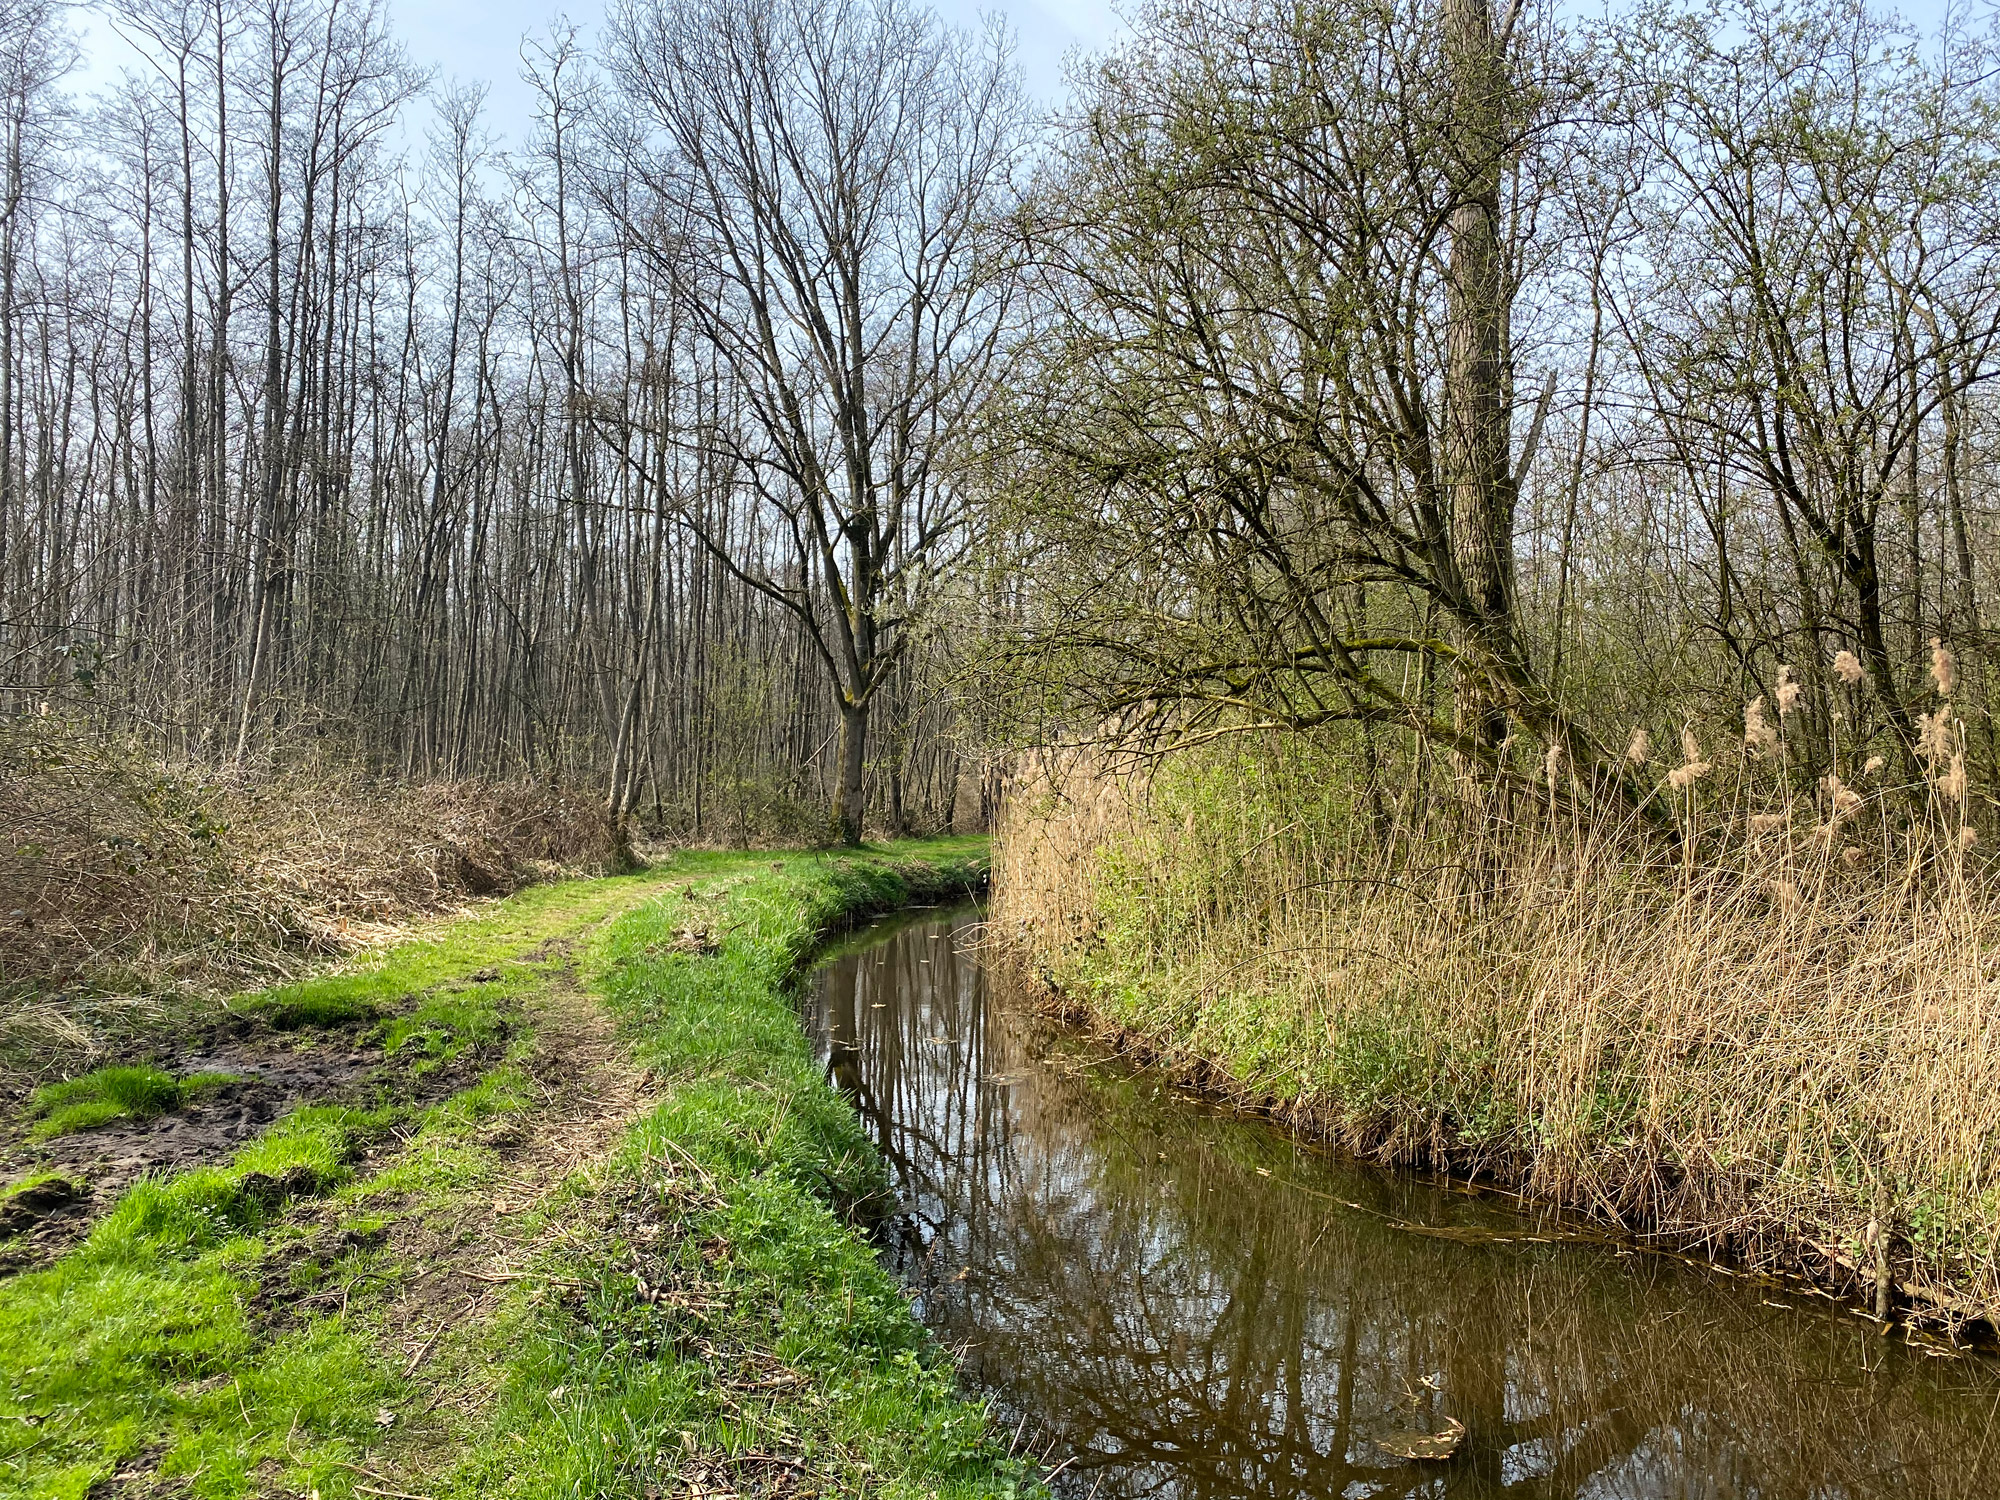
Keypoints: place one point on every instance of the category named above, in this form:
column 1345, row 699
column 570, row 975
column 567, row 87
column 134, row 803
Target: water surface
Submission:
column 1175, row 1302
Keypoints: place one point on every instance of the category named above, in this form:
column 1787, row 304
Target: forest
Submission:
column 1447, row 543
column 1446, row 381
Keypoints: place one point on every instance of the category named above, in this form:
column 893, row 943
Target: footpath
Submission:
column 555, row 1204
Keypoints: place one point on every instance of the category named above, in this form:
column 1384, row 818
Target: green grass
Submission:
column 108, row 1095
column 198, row 1339
column 503, row 937
column 141, row 1346
column 739, row 1193
column 145, row 1348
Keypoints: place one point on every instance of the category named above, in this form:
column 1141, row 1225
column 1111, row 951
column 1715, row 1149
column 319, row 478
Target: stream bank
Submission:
column 622, row 1260
column 1776, row 1064
column 1174, row 1300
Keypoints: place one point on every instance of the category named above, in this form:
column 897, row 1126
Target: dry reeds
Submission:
column 1787, row 1052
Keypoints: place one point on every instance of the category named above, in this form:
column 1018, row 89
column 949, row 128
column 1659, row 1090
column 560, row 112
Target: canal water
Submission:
column 1172, row 1301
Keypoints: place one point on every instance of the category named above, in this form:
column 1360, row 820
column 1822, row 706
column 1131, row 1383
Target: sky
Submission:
column 480, row 40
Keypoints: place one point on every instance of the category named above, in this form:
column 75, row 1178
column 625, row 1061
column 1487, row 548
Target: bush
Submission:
column 116, row 869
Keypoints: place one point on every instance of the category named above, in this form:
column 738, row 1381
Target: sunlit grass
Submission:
column 113, row 1094
column 150, row 1349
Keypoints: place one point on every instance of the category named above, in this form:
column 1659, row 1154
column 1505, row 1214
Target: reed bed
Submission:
column 1780, row 1052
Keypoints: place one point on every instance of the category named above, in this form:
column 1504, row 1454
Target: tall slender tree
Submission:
column 817, row 175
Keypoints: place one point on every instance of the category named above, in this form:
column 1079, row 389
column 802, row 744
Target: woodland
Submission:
column 1448, row 543
column 798, row 417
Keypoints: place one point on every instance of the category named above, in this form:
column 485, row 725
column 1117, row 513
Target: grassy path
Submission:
column 619, row 1260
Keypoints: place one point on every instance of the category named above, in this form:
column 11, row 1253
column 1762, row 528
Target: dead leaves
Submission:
column 1422, row 1446
column 744, row 1475
column 697, row 940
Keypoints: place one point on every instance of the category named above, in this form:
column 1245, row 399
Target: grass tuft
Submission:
column 108, row 1095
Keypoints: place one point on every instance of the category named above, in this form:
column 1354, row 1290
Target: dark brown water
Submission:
column 1176, row 1302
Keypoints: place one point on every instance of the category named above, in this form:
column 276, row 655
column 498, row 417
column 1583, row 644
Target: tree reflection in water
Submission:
column 1176, row 1301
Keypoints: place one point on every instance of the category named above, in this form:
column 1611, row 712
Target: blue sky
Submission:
column 481, row 40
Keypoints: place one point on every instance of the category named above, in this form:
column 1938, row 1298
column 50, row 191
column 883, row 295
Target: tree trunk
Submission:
column 1476, row 438
column 899, row 818
column 847, row 803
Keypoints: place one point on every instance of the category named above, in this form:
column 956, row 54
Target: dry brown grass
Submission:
column 117, row 873
column 1782, row 1054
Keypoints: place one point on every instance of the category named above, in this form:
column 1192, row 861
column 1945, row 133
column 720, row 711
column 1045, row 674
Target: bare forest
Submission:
column 1425, row 570
column 1498, row 388
column 615, row 459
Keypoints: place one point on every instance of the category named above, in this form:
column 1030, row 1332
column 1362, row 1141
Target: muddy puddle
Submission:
column 1170, row 1301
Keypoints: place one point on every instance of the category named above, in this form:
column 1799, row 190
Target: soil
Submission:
column 276, row 1072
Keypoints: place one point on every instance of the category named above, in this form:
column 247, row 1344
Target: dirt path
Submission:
column 590, row 1091
column 415, row 1291
column 459, row 1257
column 260, row 1064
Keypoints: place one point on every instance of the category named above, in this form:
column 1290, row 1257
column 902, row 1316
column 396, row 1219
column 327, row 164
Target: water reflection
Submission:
column 1180, row 1304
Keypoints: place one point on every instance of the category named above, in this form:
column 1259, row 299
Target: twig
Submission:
column 418, row 1358
column 341, row 1463
column 364, row 1276
column 582, row 1286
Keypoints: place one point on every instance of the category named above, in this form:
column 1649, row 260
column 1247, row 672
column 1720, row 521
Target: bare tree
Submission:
column 1272, row 420
column 1815, row 295
column 817, row 174
column 339, row 487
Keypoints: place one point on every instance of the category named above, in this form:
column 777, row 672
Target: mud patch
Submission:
column 298, row 1275
column 274, row 1073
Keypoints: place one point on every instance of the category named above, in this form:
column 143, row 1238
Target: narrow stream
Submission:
column 1175, row 1302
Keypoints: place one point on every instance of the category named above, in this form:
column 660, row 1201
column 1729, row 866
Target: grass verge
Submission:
column 713, row 1320
column 491, row 1294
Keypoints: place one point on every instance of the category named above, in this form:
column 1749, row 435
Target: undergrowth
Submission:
column 128, row 885
column 1774, row 1050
